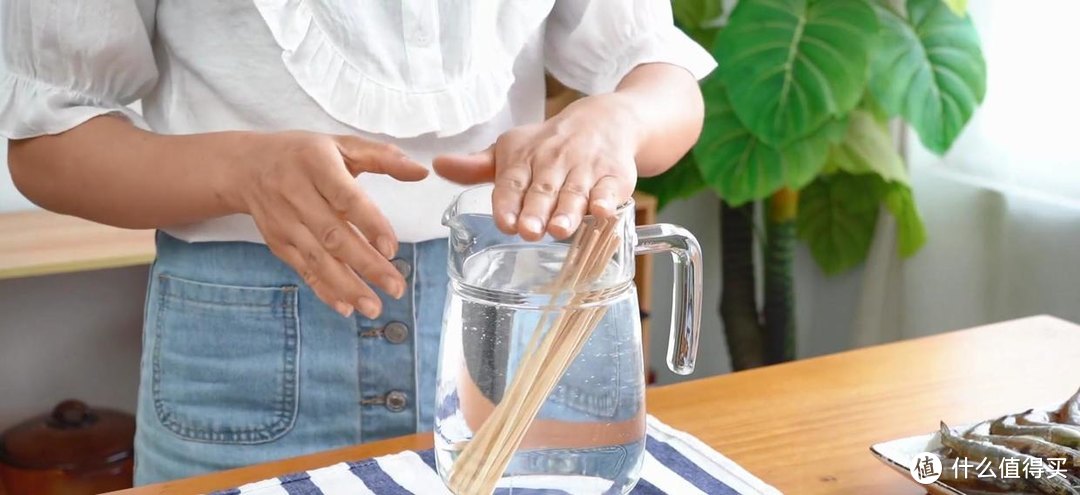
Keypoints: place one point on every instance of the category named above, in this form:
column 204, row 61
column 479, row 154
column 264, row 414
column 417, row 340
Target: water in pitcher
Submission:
column 589, row 436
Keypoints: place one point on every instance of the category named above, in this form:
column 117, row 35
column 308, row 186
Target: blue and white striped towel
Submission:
column 676, row 463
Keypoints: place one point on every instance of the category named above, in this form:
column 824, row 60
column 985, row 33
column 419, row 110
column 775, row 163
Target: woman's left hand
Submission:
column 549, row 175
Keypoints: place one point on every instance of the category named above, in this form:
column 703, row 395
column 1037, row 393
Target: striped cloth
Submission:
column 675, row 464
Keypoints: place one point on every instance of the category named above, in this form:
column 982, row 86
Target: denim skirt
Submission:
column 242, row 363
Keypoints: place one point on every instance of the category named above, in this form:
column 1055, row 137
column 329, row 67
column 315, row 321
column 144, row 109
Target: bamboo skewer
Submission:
column 553, row 361
column 548, row 355
column 515, row 395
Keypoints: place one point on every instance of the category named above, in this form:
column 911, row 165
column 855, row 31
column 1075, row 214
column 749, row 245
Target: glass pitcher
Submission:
column 589, row 434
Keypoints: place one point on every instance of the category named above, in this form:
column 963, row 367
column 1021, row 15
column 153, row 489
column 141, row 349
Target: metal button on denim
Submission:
column 396, row 401
column 402, row 266
column 396, row 332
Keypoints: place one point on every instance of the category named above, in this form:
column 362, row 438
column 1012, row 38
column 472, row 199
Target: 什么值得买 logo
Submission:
column 926, row 468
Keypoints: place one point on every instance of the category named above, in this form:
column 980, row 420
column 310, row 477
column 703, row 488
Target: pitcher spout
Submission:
column 449, row 216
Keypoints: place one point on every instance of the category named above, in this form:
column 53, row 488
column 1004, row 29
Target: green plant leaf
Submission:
column 695, row 18
column 958, row 6
column 910, row 231
column 740, row 167
column 791, row 65
column 834, row 131
column 870, row 104
column 867, row 149
column 929, row 69
column 837, row 217
column 681, row 181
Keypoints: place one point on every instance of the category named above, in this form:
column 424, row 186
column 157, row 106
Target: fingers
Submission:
column 348, row 200
column 511, row 177
column 331, row 280
column 606, row 196
column 511, row 182
column 550, row 189
column 573, row 203
column 347, row 244
column 313, row 215
column 362, row 155
column 549, row 174
column 291, row 256
column 320, row 267
column 475, row 168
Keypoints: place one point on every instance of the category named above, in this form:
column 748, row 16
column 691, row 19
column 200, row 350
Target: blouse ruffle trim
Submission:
column 348, row 95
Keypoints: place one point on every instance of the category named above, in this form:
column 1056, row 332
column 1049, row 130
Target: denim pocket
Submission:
column 605, row 379
column 225, row 361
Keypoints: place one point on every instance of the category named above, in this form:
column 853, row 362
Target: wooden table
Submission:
column 806, row 427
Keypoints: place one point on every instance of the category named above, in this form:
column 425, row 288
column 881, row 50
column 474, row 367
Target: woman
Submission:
column 283, row 152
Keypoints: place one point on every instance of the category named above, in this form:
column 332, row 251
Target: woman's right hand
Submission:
column 300, row 188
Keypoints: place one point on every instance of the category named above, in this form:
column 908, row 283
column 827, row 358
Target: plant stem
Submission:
column 779, row 308
column 738, row 303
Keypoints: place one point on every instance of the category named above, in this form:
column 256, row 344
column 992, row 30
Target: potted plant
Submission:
column 797, row 120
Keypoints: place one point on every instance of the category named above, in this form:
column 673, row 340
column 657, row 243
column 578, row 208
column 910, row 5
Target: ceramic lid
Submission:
column 72, row 436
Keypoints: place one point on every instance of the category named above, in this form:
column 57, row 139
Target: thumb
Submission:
column 474, row 168
column 361, row 155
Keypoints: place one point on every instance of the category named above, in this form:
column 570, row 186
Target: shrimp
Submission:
column 1032, row 417
column 1036, row 447
column 1070, row 411
column 1067, row 436
column 972, row 450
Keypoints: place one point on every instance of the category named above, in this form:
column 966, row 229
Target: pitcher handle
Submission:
column 686, row 293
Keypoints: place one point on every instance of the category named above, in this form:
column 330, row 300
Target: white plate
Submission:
column 899, row 454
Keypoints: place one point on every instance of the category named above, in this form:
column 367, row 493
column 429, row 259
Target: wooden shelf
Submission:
column 36, row 243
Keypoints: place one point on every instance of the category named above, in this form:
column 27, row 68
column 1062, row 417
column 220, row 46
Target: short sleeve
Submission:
column 63, row 62
column 590, row 45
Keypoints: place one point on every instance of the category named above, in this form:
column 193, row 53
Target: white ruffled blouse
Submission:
column 431, row 76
